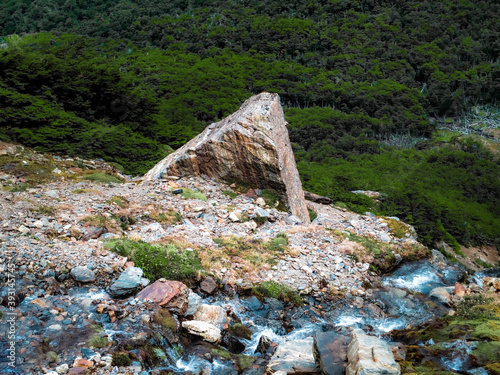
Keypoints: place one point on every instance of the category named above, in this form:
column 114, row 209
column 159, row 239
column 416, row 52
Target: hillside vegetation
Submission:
column 365, row 86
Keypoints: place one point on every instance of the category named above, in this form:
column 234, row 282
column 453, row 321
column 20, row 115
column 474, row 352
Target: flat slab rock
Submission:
column 369, row 355
column 294, row 357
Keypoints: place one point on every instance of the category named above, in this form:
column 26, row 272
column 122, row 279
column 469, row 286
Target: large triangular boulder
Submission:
column 251, row 146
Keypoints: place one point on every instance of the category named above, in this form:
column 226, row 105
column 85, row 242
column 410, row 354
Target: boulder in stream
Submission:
column 294, row 357
column 330, row 351
column 369, row 355
column 207, row 331
column 213, row 314
column 82, row 274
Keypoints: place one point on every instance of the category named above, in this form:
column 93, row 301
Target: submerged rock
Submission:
column 369, row 355
column 251, row 145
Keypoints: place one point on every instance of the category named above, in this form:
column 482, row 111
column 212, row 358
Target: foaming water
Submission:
column 421, row 277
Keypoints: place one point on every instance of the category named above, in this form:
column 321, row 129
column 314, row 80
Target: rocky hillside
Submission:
column 81, row 240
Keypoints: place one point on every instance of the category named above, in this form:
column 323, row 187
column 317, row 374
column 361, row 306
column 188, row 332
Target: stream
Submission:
column 401, row 301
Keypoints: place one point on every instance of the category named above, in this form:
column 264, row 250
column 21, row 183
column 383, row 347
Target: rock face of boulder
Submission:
column 251, row 145
column 369, row 355
column 294, row 357
column 206, row 330
column 330, row 351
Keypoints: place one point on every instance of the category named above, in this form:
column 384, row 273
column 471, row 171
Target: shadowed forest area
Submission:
column 401, row 97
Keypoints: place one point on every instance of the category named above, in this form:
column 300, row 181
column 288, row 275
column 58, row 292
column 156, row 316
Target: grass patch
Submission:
column 98, row 342
column 86, row 191
column 101, row 221
column 253, row 253
column 230, row 194
column 119, row 201
column 482, row 263
column 169, row 261
column 279, row 291
column 312, row 214
column 121, row 359
column 273, row 199
column 193, row 194
column 165, row 217
column 397, row 227
column 102, row 177
column 44, row 210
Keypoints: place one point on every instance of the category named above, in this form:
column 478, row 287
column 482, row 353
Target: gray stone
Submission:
column 330, row 351
column 215, row 315
column 294, row 357
column 128, row 283
column 441, row 295
column 369, row 355
column 194, row 301
column 261, row 212
column 82, row 274
column 208, row 331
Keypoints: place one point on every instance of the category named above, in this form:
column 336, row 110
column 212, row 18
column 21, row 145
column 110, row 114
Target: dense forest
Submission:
column 367, row 86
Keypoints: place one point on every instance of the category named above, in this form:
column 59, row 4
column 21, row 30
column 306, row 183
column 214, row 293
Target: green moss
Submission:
column 221, row 352
column 244, row 361
column 170, row 261
column 493, row 368
column 482, row 263
column 230, row 194
column 193, row 194
column 163, row 318
column 45, row 210
column 240, row 330
column 487, row 352
column 52, row 356
column 97, row 341
column 102, row 177
column 121, row 359
column 279, row 291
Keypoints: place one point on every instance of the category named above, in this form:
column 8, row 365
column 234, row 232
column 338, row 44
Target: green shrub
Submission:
column 171, row 261
column 121, row 359
column 279, row 291
column 312, row 214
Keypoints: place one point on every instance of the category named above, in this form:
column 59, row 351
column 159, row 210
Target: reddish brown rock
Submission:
column 80, row 362
column 459, row 290
column 173, row 295
column 251, row 145
column 208, row 285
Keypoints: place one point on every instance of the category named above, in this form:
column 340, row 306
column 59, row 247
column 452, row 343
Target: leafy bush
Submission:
column 159, row 261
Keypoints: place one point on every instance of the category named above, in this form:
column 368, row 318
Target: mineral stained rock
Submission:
column 251, row 145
